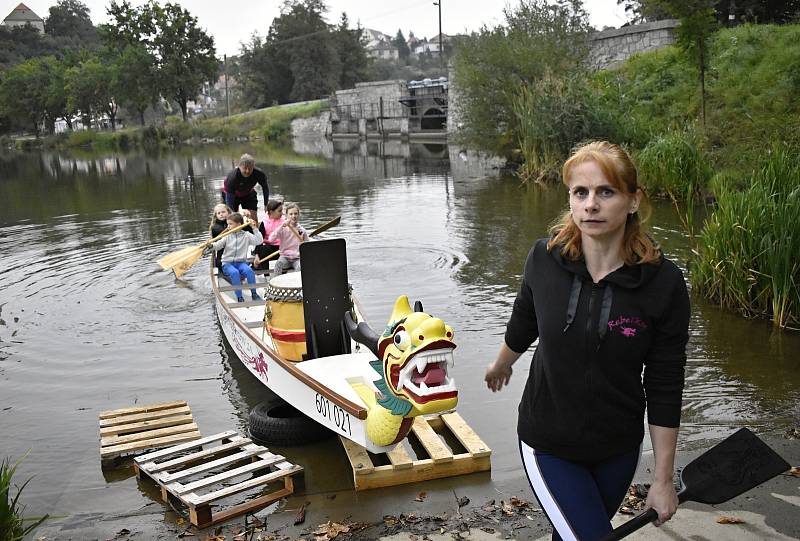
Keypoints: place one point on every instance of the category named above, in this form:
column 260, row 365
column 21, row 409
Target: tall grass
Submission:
column 673, row 164
column 748, row 256
column 12, row 523
column 553, row 114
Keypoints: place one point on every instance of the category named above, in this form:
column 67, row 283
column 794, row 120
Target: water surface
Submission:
column 89, row 322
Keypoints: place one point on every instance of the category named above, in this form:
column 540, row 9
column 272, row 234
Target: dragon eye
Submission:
column 402, row 340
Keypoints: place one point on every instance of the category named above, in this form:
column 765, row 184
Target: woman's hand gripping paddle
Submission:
column 735, row 465
column 182, row 260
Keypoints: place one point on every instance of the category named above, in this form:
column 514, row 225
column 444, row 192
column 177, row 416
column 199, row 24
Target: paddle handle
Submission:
column 639, row 521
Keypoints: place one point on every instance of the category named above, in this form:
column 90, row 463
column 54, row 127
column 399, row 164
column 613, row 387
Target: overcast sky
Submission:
column 233, row 21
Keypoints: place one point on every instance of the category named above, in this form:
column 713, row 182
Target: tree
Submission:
column 184, row 53
column 539, row 38
column 70, row 26
column 727, row 12
column 403, row 51
column 352, row 54
column 135, row 79
column 698, row 23
column 90, row 89
column 23, row 92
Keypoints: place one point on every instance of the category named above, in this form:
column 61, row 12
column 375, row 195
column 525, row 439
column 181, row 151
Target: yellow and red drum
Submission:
column 285, row 322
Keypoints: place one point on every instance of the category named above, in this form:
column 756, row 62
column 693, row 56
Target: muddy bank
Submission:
column 472, row 507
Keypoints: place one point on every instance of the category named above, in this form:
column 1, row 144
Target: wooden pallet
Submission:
column 199, row 474
column 132, row 430
column 441, row 461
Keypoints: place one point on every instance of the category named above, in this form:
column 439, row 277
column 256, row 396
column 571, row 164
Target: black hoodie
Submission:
column 585, row 397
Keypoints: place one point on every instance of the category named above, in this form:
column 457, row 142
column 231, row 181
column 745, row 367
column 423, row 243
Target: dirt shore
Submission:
column 473, row 507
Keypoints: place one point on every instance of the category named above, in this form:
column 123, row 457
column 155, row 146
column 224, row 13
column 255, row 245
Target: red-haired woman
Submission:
column 612, row 315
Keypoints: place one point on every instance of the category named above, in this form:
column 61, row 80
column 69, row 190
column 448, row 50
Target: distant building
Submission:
column 379, row 45
column 22, row 15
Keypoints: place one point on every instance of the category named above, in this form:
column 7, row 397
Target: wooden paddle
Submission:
column 317, row 231
column 181, row 261
column 733, row 466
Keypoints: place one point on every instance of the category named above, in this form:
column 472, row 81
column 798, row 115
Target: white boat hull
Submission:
column 319, row 388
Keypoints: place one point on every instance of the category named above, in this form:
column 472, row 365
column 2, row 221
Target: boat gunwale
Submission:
column 354, row 409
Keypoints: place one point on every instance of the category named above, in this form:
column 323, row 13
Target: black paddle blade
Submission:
column 735, row 465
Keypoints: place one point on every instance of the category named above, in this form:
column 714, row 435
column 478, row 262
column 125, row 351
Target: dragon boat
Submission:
column 310, row 344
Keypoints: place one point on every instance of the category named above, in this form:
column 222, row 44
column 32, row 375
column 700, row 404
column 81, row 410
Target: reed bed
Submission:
column 747, row 257
column 673, row 165
column 12, row 523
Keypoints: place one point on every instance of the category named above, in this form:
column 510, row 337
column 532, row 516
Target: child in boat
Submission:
column 290, row 234
column 272, row 221
column 234, row 259
column 219, row 222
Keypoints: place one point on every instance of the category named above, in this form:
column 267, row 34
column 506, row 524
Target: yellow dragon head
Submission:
column 416, row 351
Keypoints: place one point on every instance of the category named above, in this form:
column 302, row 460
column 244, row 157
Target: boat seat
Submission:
column 326, row 297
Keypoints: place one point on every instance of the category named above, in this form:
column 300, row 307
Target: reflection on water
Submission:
column 88, row 322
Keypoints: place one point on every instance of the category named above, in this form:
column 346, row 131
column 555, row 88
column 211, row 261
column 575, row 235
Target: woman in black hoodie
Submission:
column 611, row 314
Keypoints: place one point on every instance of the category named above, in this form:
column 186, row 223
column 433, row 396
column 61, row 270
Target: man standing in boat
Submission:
column 239, row 187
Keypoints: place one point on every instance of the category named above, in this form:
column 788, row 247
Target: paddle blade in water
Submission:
column 735, row 465
column 169, row 260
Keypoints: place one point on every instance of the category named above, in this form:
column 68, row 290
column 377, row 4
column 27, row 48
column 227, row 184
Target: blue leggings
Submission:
column 579, row 498
column 235, row 270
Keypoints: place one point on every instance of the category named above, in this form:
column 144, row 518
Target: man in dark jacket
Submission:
column 239, row 187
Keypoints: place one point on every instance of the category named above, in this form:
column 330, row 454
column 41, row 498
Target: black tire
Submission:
column 276, row 422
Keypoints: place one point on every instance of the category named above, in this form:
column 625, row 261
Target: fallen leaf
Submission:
column 421, row 497
column 729, row 520
column 625, row 510
column 794, row 471
column 181, row 521
column 518, row 503
column 507, row 508
column 330, row 530
column 462, row 501
column 300, row 517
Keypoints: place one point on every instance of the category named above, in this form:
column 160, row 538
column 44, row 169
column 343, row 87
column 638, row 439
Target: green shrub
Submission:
column 747, row 259
column 674, row 165
column 553, row 114
column 12, row 523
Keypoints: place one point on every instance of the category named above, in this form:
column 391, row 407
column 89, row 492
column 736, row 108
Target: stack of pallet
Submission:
column 129, row 431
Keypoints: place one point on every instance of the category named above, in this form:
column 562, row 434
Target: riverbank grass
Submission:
column 271, row 124
column 12, row 523
column 747, row 256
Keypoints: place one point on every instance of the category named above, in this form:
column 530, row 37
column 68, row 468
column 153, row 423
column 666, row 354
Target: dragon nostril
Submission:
column 449, row 334
column 421, row 337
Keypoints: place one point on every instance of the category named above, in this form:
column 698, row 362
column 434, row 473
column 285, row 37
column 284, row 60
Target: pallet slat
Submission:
column 224, row 461
column 468, row 438
column 442, row 462
column 203, row 510
column 127, row 431
column 145, row 425
column 193, row 457
column 229, row 474
column 250, row 483
column 163, row 453
column 148, row 434
column 431, row 441
column 116, row 450
column 141, row 409
column 146, row 416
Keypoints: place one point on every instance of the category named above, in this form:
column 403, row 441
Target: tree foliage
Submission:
column 70, row 27
column 403, row 51
column 539, row 39
column 302, row 56
column 726, row 12
column 184, row 53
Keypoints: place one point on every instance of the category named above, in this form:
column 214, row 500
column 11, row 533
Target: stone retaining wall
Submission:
column 612, row 47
